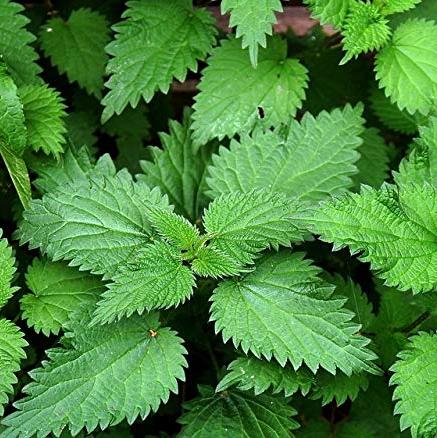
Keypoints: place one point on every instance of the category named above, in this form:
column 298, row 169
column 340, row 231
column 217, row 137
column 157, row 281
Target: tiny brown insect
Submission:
column 153, row 333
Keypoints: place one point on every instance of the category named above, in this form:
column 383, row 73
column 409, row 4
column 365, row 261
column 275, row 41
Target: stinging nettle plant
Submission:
column 267, row 269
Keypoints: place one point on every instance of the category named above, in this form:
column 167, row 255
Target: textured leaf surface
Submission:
column 105, row 375
column 253, row 21
column 421, row 164
column 156, row 279
column 283, row 309
column 373, row 165
column 243, row 224
column 407, row 67
column 237, row 414
column 7, row 271
column 76, row 47
column 388, row 7
column 57, row 292
column 212, row 262
column 235, row 98
column 415, row 374
column 261, row 375
column 315, row 160
column 43, row 109
column 15, row 44
column 395, row 230
column 177, row 169
column 156, row 42
column 11, row 353
column 329, row 11
column 339, row 387
column 96, row 225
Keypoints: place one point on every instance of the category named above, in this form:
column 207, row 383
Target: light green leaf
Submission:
column 156, row 42
column 233, row 99
column 415, row 376
column 155, row 279
column 15, row 44
column 364, row 30
column 57, row 292
column 388, row 7
column 329, row 11
column 7, row 271
column 97, row 225
column 238, row 415
column 395, row 231
column 243, row 224
column 283, row 309
column 253, row 21
column 76, row 47
column 43, row 109
column 213, row 262
column 11, row 352
column 261, row 375
column 407, row 67
column 100, row 376
column 315, row 160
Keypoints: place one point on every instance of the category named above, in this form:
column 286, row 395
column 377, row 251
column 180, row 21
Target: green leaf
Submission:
column 43, row 109
column 260, row 375
column 97, row 225
column 415, row 374
column 11, row 352
column 283, row 309
column 357, row 301
column 388, row 7
column 13, row 134
column 177, row 169
column 237, row 414
column 421, row 165
column 76, row 47
column 15, row 44
column 7, row 271
column 213, row 262
column 253, row 21
column 155, row 279
column 329, row 11
column 338, row 387
column 393, row 229
column 243, row 224
column 100, row 376
column 407, row 67
column 233, row 99
column 425, row 9
column 18, row 172
column 57, row 292
column 365, row 29
column 373, row 165
column 156, row 42
column 174, row 228
column 391, row 116
column 265, row 160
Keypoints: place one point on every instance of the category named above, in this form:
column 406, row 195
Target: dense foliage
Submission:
column 267, row 269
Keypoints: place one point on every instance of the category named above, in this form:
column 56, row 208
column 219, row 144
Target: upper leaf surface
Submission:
column 234, row 96
column 43, row 109
column 103, row 375
column 96, row 225
column 15, row 44
column 156, row 42
column 7, row 271
column 253, row 21
column 415, row 374
column 237, row 414
column 243, row 224
column 155, row 279
column 329, row 11
column 407, row 67
column 283, row 309
column 315, row 160
column 76, row 47
column 388, row 7
column 396, row 230
column 57, row 292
